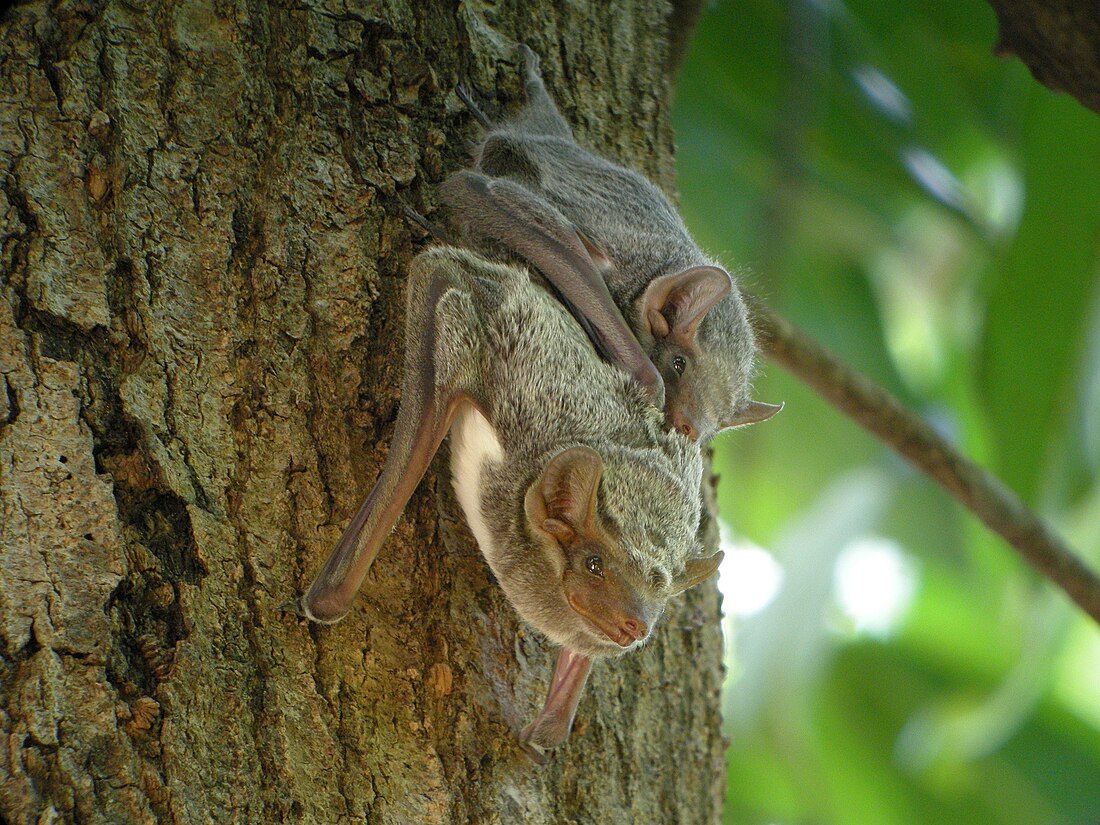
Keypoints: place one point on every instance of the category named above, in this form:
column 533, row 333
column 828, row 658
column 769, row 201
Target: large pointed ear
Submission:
column 697, row 570
column 752, row 413
column 562, row 501
column 675, row 304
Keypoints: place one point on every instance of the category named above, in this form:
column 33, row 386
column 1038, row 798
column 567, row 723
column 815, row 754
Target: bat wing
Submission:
column 507, row 213
column 424, row 417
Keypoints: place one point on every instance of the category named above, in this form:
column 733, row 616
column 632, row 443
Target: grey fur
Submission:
column 630, row 220
column 481, row 335
column 531, row 369
column 559, row 459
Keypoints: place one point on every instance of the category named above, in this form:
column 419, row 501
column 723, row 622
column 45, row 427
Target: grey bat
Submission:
column 611, row 244
column 585, row 507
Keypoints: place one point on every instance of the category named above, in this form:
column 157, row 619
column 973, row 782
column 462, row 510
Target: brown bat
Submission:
column 585, row 507
column 612, row 245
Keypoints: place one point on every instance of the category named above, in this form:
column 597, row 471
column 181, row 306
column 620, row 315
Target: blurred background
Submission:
column 932, row 214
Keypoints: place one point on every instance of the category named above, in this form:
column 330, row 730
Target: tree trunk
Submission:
column 203, row 262
column 1058, row 40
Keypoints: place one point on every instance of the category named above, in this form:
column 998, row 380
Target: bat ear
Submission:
column 675, row 304
column 562, row 501
column 697, row 570
column 752, row 413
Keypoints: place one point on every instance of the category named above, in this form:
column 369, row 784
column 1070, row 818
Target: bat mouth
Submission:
column 624, row 632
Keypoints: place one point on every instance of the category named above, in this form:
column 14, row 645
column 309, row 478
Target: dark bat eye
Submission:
column 679, row 364
column 594, row 565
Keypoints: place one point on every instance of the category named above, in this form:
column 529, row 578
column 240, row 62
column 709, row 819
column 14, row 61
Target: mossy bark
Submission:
column 203, row 263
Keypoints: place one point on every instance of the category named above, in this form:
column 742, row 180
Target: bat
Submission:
column 584, row 505
column 620, row 258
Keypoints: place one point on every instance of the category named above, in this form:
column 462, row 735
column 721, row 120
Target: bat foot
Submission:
column 293, row 606
column 315, row 611
column 471, row 104
column 435, row 231
column 533, row 751
column 530, row 60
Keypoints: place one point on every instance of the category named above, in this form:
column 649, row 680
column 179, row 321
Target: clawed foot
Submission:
column 537, row 754
column 435, row 231
column 293, row 606
column 465, row 96
column 530, row 60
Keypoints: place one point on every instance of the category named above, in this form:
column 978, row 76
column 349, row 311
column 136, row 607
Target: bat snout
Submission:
column 684, row 424
column 625, row 631
column 631, row 630
column 623, row 628
column 612, row 608
column 684, row 415
column 687, row 428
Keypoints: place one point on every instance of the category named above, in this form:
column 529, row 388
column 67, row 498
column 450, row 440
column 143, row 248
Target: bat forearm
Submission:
column 423, row 419
column 507, row 213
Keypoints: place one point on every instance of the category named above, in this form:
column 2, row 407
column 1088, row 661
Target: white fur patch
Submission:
column 474, row 448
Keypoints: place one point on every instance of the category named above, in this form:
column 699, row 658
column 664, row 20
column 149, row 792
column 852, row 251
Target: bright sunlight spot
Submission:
column 881, row 93
column 1079, row 674
column 749, row 578
column 932, row 173
column 874, row 582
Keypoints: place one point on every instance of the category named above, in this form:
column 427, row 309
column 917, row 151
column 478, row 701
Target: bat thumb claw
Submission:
column 536, row 754
column 293, row 606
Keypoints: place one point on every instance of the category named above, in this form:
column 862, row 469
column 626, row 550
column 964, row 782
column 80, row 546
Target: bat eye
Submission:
column 679, row 364
column 594, row 565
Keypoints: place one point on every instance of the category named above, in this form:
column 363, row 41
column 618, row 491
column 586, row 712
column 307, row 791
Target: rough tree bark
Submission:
column 203, row 258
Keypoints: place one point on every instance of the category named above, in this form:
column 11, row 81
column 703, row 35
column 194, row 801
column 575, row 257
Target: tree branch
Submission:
column 878, row 412
column 681, row 26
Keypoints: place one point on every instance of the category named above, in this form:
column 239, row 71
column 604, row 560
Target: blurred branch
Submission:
column 805, row 65
column 878, row 412
column 681, row 26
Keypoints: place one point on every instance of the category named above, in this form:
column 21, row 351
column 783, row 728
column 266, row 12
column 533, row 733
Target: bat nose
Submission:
column 683, row 424
column 634, row 628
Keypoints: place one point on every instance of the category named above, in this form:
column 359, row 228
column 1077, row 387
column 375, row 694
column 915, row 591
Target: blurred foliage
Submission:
column 932, row 214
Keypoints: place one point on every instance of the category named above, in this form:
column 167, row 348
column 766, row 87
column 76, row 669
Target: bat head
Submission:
column 605, row 596
column 703, row 346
